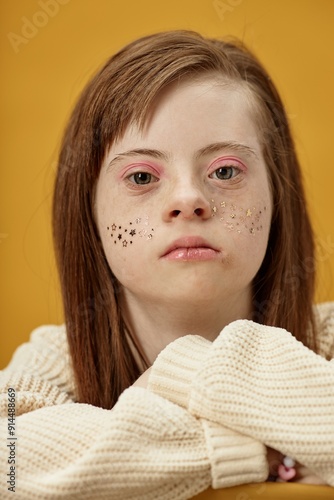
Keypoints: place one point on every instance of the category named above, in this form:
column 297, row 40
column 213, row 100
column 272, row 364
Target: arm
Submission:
column 259, row 381
column 144, row 448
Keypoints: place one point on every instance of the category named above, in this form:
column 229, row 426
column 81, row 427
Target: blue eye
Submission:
column 225, row 173
column 142, row 178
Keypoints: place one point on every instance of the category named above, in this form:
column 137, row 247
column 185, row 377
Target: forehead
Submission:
column 193, row 113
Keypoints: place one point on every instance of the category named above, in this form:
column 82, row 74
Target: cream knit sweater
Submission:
column 205, row 419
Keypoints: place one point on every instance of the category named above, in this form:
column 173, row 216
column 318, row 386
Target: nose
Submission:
column 187, row 202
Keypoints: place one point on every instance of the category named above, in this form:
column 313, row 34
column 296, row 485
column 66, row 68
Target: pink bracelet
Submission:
column 286, row 470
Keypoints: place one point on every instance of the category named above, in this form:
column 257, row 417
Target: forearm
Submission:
column 145, row 448
column 261, row 382
column 75, row 451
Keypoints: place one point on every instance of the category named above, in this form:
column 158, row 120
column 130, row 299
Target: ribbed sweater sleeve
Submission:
column 146, row 447
column 259, row 381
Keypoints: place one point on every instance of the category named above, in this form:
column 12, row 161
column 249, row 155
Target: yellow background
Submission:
column 46, row 58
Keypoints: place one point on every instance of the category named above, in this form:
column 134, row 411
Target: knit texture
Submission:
column 262, row 382
column 209, row 410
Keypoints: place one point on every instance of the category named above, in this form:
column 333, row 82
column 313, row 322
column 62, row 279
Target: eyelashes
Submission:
column 225, row 173
column 142, row 174
column 124, row 235
column 142, row 178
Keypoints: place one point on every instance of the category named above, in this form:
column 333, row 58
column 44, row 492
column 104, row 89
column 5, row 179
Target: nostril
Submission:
column 175, row 213
column 198, row 211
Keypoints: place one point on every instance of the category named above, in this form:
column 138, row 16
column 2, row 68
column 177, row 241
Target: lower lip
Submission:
column 192, row 254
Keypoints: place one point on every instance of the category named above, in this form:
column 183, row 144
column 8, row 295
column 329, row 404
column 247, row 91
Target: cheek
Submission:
column 248, row 220
column 124, row 244
column 123, row 234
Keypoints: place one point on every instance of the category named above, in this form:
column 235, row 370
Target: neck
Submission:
column 153, row 326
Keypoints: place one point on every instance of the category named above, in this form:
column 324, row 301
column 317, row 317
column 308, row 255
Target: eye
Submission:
column 142, row 178
column 225, row 173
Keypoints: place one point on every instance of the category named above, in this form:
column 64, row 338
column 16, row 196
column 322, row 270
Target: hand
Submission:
column 274, row 459
column 304, row 475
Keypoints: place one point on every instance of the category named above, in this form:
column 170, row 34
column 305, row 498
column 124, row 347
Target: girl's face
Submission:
column 184, row 207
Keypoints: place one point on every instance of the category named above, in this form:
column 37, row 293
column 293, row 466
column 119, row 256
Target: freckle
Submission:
column 125, row 230
column 130, row 242
column 112, row 235
column 119, row 236
column 115, row 242
column 119, row 227
column 130, row 223
column 152, row 230
column 108, row 228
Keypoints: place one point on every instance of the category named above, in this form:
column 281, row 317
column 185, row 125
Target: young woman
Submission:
column 185, row 254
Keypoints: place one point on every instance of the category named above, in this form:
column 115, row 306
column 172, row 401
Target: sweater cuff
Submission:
column 234, row 458
column 175, row 367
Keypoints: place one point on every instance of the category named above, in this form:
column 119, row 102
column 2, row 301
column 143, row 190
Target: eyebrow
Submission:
column 206, row 150
column 154, row 153
column 220, row 146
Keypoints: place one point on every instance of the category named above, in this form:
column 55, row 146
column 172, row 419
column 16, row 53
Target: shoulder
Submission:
column 45, row 357
column 324, row 316
column 45, row 341
column 52, row 337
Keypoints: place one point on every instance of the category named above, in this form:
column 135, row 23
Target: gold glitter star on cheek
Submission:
column 249, row 212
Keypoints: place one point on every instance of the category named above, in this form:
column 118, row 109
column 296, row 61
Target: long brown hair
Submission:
column 120, row 93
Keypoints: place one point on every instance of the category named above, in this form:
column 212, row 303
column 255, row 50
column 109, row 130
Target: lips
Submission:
column 191, row 248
